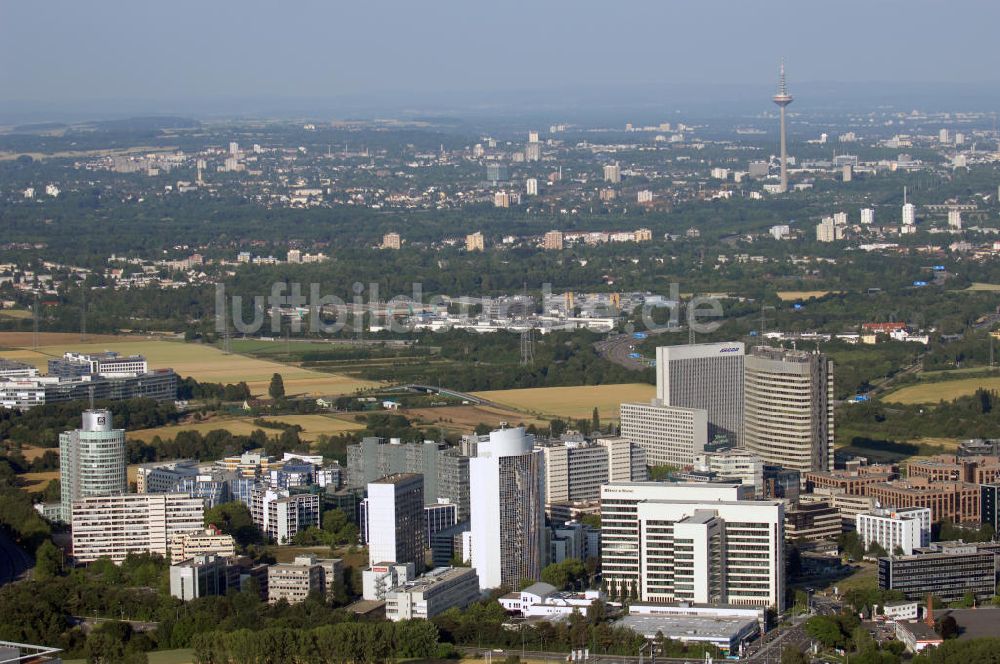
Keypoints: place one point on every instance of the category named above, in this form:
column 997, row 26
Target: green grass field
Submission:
column 572, row 402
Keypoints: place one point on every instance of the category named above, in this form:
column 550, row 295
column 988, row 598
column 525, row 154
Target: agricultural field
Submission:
column 981, row 287
column 463, row 419
column 572, row 402
column 204, row 363
column 941, row 391
column 791, row 296
column 314, row 426
column 34, row 482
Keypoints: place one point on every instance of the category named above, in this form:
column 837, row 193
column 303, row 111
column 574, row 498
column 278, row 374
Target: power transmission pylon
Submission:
column 527, row 345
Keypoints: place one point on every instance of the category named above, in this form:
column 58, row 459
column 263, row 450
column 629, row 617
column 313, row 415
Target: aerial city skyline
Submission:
column 382, row 331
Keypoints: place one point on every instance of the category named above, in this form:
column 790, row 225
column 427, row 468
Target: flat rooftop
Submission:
column 681, row 627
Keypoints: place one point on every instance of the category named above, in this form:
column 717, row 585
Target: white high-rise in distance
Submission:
column 783, row 99
column 507, row 509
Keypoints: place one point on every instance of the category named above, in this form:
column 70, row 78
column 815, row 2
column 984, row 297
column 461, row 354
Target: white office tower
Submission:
column 667, row 434
column 867, row 216
column 903, row 529
column 507, row 509
column 674, row 542
column 705, row 376
column 612, row 173
column 531, row 186
column 955, row 219
column 909, row 214
column 92, row 461
column 396, row 520
column 789, row 408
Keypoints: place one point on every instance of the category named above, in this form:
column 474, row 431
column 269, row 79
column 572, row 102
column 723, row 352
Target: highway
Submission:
column 14, row 562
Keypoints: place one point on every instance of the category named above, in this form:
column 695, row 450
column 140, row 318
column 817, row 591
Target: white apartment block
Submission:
column 691, row 542
column 433, row 593
column 908, row 528
column 705, row 376
column 282, row 515
column 867, row 216
column 210, row 541
column 667, row 434
column 115, row 526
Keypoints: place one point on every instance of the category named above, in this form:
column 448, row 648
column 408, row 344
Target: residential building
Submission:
column 281, row 515
column 674, row 542
column 496, row 173
column 867, row 216
column 552, row 241
column 909, row 214
column 210, row 541
column 612, row 173
column 445, row 469
column 295, row 581
column 115, row 526
column 946, row 570
column 708, row 377
column 433, row 593
column 391, row 241
column 475, row 242
column 396, row 520
column 955, row 219
column 789, row 408
column 531, row 186
column 507, row 509
column 669, row 435
column 903, row 530
column 575, row 471
column 812, row 523
column 826, row 231
column 92, row 460
column 199, row 576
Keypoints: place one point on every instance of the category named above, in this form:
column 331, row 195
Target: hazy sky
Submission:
column 66, row 52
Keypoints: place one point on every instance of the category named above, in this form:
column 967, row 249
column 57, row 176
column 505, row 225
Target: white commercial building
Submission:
column 115, row 526
column 92, row 460
column 575, row 470
column 379, row 579
column 507, row 509
column 734, row 463
column 705, row 376
column 668, row 434
column 184, row 546
column 909, row 214
column 543, row 600
column 281, row 515
column 433, row 593
column 908, row 528
column 664, row 542
column 867, row 216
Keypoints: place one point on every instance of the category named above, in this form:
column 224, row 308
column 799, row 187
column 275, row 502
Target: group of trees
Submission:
column 844, row 631
column 189, row 388
column 341, row 643
column 336, row 530
column 40, row 426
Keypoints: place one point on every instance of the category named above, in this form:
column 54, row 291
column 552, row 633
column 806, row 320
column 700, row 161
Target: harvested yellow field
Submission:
column 314, row 426
column 789, row 296
column 572, row 402
column 26, row 339
column 464, row 419
column 943, row 391
column 15, row 313
column 204, row 363
column 992, row 288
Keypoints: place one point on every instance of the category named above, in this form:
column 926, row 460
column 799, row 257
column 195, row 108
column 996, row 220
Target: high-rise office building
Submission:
column 92, row 460
column 496, row 173
column 533, row 152
column 789, row 408
column 575, row 471
column 531, row 186
column 955, row 219
column 669, row 435
column 445, row 470
column 670, row 542
column 904, row 530
column 508, row 509
column 909, row 214
column 867, row 216
column 612, row 173
column 396, row 520
column 708, row 377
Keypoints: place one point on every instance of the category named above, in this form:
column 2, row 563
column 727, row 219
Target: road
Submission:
column 499, row 655
column 14, row 562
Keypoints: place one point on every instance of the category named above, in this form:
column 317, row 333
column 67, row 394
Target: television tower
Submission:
column 783, row 99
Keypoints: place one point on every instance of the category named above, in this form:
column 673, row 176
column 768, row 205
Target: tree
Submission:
column 595, row 420
column 234, row 519
column 947, row 627
column 277, row 387
column 48, row 561
column 792, row 655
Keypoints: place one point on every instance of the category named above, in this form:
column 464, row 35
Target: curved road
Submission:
column 14, row 562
